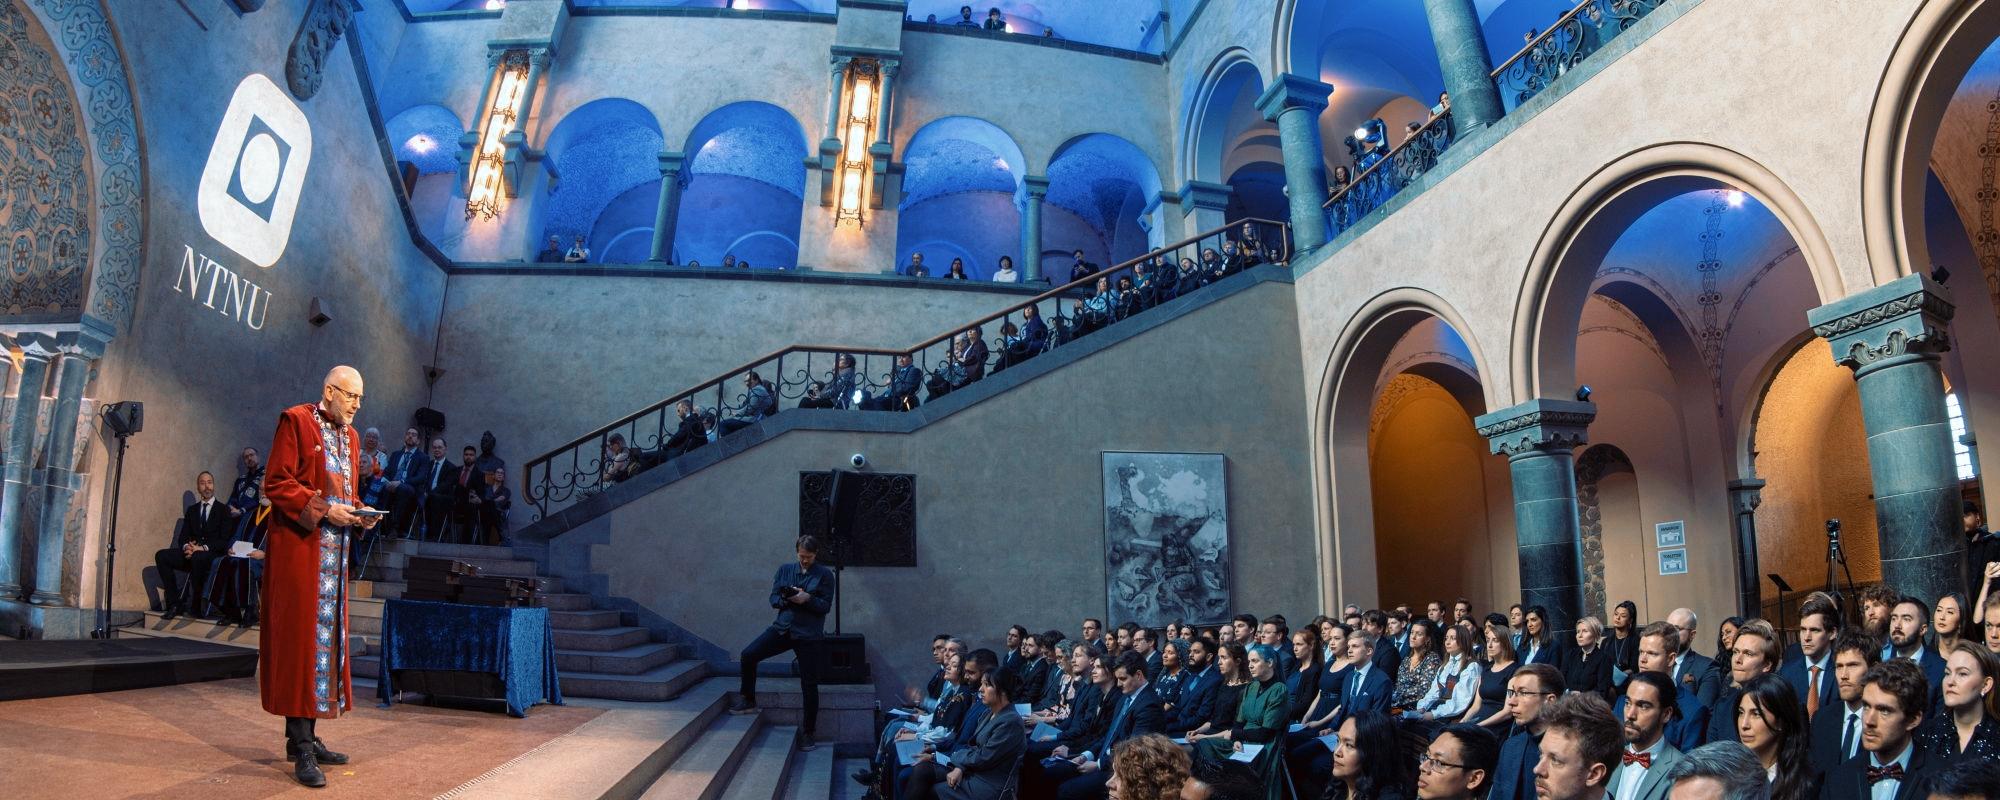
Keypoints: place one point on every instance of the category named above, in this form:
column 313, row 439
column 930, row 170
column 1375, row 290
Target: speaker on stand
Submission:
column 845, row 654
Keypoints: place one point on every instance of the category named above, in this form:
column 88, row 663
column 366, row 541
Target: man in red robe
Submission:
column 313, row 483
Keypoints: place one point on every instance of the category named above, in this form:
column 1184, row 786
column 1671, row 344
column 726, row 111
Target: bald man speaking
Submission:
column 312, row 483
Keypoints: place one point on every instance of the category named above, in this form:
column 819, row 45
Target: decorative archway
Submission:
column 1605, row 499
column 1109, row 184
column 607, row 152
column 746, row 175
column 957, row 169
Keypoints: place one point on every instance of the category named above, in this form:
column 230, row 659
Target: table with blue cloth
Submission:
column 512, row 643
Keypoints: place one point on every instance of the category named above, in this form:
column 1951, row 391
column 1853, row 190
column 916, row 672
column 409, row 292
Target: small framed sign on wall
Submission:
column 1670, row 534
column 1674, row 562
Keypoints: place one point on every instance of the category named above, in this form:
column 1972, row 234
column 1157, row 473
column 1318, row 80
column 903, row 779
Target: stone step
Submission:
column 586, row 620
column 562, row 601
column 841, row 787
column 628, row 661
column 446, row 550
column 812, row 775
column 664, row 682
column 510, row 567
column 767, row 769
column 846, row 711
column 185, row 627
column 394, row 575
column 600, row 639
column 613, row 757
column 704, row 771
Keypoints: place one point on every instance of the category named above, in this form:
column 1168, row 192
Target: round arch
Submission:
column 607, row 151
column 745, row 174
column 1345, row 546
column 1542, row 349
column 958, row 169
column 1930, row 60
column 1109, row 184
column 1205, row 123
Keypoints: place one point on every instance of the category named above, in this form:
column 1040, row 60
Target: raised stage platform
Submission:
column 53, row 668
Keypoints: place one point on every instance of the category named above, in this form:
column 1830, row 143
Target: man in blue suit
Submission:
column 802, row 593
column 1657, row 644
column 1692, row 668
column 401, row 474
column 1909, row 619
column 1532, row 687
column 1810, row 671
column 1198, row 690
column 1138, row 713
column 1366, row 688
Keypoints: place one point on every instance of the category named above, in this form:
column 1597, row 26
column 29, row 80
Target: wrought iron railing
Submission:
column 1383, row 179
column 1574, row 36
column 805, row 376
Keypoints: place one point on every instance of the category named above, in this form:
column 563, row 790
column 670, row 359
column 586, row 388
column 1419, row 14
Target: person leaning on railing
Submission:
column 689, row 434
column 759, row 402
column 1097, row 309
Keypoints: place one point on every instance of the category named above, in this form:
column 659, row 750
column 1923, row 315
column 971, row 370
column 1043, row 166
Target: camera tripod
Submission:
column 1835, row 554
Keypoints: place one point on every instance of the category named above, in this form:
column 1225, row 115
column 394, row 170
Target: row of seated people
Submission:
column 1379, row 706
column 427, row 497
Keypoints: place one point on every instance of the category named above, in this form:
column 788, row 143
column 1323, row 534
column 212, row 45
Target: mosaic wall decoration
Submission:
column 45, row 170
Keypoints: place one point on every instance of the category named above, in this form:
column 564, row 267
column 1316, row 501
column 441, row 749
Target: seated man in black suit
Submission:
column 206, row 528
column 689, row 434
column 406, row 469
column 904, row 381
column 1137, row 713
column 1895, row 696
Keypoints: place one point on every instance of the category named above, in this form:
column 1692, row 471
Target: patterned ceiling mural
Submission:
column 46, row 200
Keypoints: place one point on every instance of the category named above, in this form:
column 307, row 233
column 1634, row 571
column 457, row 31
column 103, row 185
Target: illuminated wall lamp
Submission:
column 856, row 134
column 483, row 198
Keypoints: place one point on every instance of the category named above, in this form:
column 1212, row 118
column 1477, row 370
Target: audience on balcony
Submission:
column 552, row 253
column 1006, row 273
column 1080, row 268
column 577, row 252
column 965, row 19
column 916, row 268
column 995, row 22
column 760, row 400
column 957, row 272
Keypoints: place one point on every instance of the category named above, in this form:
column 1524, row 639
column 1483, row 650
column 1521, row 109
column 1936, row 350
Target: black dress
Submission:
column 1587, row 672
column 1493, row 695
column 1938, row 738
column 1227, row 699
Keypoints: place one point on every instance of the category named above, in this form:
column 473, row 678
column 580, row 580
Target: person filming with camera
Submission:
column 802, row 593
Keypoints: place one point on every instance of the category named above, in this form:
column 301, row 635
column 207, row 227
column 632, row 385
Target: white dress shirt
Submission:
column 1885, row 789
column 1631, row 775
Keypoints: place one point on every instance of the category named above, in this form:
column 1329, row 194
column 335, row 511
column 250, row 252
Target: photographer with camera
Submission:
column 802, row 592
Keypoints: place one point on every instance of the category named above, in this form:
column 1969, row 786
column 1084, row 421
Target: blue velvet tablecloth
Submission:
column 513, row 643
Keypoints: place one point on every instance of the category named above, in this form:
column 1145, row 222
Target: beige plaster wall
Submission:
column 1429, row 479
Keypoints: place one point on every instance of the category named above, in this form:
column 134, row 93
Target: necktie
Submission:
column 1847, row 736
column 1356, row 691
column 1812, row 693
column 204, row 512
column 1644, row 760
column 1893, row 772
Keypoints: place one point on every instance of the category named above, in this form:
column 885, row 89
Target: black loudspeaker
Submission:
column 125, row 419
column 842, row 500
column 429, row 419
column 846, row 657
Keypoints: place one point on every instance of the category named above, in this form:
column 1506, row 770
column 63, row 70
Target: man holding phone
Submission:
column 802, row 593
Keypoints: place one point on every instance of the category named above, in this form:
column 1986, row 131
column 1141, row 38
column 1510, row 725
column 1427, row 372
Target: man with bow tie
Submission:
column 1894, row 697
column 206, row 528
column 1648, row 759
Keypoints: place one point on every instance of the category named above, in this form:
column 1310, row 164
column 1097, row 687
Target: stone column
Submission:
column 882, row 104
column 669, row 211
column 1538, row 438
column 1891, row 336
column 59, row 466
column 1744, row 497
column 538, row 64
column 1468, row 73
column 1206, row 203
column 829, row 147
column 1294, row 103
column 1031, row 227
column 22, row 447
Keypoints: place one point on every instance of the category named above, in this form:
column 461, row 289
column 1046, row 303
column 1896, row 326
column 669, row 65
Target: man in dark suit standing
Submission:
column 1894, row 697
column 406, row 468
column 1909, row 619
column 802, row 593
column 439, row 485
column 466, row 486
column 1532, row 687
column 1836, row 731
column 206, row 528
column 1810, row 671
column 1137, row 714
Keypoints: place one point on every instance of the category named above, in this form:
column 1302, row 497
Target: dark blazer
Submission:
column 807, row 620
column 1706, row 682
column 905, row 382
column 1142, row 718
column 1153, row 665
column 1514, row 775
column 689, row 435
column 1197, row 703
column 1849, row 780
column 1590, row 673
column 216, row 533
column 448, row 483
column 418, row 471
column 1376, row 689
column 974, row 360
column 1085, row 727
column 1547, row 655
column 1722, row 716
column 1794, row 672
column 1035, row 335
column 1689, row 730
column 1827, row 729
column 1385, row 658
column 1035, row 677
column 989, row 759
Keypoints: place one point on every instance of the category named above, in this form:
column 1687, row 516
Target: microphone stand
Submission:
column 103, row 629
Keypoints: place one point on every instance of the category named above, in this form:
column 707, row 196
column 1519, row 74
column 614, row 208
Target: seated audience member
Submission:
column 1125, row 299
column 1212, row 267
column 1810, row 668
column 1070, row 675
column 1989, row 612
column 1232, row 669
column 1754, row 652
column 1200, row 686
column 1173, row 672
column 1375, row 624
column 407, row 469
column 577, row 252
column 841, row 389
column 494, row 503
column 437, row 487
column 1537, row 644
column 1145, row 643
column 1189, row 278
column 916, row 269
column 371, row 451
column 1722, row 771
column 248, row 490
column 1100, row 306
column 904, row 381
column 1909, row 620
column 729, row 261
column 237, row 578
column 1895, row 696
column 1623, row 641
column 1580, row 746
column 983, row 767
column 1137, row 713
column 1876, row 602
column 1586, row 665
column 1089, row 719
column 1836, row 730
column 1949, row 622
column 1529, row 692
column 1423, row 657
column 1144, row 287
column 1368, row 762
column 816, row 396
column 617, row 461
column 1006, row 273
column 1364, row 688
column 1080, row 268
column 1967, row 780
column 552, row 253
column 1455, row 685
column 965, row 18
column 957, row 271
column 1458, row 764
column 1233, row 259
column 970, row 365
column 759, row 401
column 1491, row 711
column 1149, row 767
column 1770, row 722
column 1012, row 660
column 1308, row 673
column 1648, row 759
column 1964, row 729
column 1024, row 342
column 1658, row 641
column 688, row 432
column 1036, row 668
column 743, row 263
column 954, row 726
column 206, row 529
column 994, row 22
column 1260, row 719
column 1337, row 182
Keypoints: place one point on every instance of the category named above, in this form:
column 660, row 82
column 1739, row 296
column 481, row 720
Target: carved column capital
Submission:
column 1907, row 317
column 1745, row 495
column 1289, row 92
column 839, row 65
column 1537, row 426
column 1037, row 186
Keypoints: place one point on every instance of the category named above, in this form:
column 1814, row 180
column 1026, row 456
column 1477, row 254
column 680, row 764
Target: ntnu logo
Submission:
column 256, row 169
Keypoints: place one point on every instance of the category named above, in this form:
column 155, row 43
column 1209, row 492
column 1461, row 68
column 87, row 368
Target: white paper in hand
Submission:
column 1023, row 709
column 1248, row 753
column 1296, row 727
column 240, row 549
column 1331, row 741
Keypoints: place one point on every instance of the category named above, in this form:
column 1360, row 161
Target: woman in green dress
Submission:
column 1260, row 720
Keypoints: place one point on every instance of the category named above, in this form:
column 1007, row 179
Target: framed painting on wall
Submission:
column 1166, row 538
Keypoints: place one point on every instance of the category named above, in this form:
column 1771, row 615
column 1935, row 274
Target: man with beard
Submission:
column 1648, row 757
column 1909, row 618
column 1836, row 731
column 1875, row 604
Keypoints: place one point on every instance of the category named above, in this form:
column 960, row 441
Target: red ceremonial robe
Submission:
column 303, row 668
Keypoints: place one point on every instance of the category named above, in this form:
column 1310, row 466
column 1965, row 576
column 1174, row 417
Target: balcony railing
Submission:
column 864, row 379
column 1387, row 176
column 1575, row 35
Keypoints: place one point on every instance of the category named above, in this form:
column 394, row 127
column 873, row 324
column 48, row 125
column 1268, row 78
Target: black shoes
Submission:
column 740, row 706
column 319, row 753
column 806, row 743
column 307, row 771
column 866, row 777
column 173, row 610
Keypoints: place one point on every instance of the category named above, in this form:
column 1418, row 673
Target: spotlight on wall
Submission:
column 1583, row 393
column 421, row 144
column 1940, row 274
column 1361, row 132
column 495, row 5
column 489, row 161
column 1735, row 198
